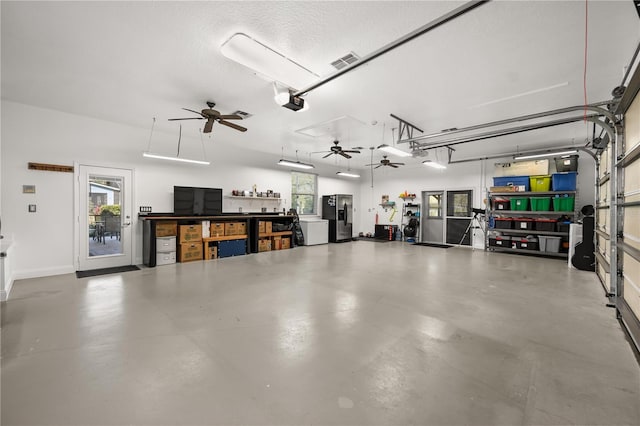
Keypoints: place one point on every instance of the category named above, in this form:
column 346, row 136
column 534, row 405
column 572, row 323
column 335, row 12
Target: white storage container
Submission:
column 165, row 258
column 165, row 244
column 315, row 231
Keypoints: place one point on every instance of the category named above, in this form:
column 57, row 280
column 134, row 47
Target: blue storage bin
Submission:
column 232, row 248
column 564, row 181
column 512, row 181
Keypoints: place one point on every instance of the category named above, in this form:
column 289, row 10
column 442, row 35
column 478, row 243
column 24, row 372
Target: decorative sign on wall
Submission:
column 28, row 189
column 50, row 167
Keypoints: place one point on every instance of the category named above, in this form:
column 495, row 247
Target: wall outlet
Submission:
column 32, row 208
column 145, row 209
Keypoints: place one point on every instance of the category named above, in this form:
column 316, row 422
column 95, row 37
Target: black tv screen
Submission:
column 192, row 201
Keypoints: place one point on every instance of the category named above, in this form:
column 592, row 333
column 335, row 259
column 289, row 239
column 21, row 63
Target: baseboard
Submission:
column 44, row 272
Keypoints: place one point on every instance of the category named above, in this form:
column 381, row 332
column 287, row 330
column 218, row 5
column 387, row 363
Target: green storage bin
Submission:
column 540, row 204
column 541, row 183
column 563, row 203
column 519, row 203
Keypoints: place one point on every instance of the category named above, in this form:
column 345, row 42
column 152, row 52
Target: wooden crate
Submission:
column 276, row 244
column 264, row 244
column 286, row 243
column 167, row 229
column 188, row 252
column 210, row 253
column 189, row 233
column 265, row 227
column 217, row 229
column 232, row 228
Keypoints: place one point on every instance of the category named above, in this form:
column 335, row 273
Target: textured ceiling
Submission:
column 128, row 62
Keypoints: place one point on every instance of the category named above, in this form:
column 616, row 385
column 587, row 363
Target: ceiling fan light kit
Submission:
column 165, row 157
column 296, row 164
column 393, row 150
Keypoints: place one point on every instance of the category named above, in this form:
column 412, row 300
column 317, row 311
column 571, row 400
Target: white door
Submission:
column 104, row 206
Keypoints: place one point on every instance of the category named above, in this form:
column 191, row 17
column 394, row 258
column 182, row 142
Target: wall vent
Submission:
column 242, row 114
column 345, row 61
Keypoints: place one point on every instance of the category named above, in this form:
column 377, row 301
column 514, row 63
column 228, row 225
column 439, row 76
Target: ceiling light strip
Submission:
column 434, row 165
column 348, row 174
column 296, row 164
column 545, row 154
column 180, row 159
column 394, row 151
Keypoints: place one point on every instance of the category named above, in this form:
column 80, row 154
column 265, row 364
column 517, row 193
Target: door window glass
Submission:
column 435, row 206
column 104, row 215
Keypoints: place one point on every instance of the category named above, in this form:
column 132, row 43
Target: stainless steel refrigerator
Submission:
column 338, row 210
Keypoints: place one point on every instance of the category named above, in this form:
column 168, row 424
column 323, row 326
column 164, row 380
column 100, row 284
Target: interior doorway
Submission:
column 104, row 205
column 433, row 217
column 459, row 217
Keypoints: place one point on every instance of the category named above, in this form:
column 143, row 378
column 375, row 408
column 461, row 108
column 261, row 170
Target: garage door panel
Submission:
column 632, row 125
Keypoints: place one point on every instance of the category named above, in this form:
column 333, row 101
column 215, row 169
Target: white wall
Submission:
column 44, row 241
column 477, row 176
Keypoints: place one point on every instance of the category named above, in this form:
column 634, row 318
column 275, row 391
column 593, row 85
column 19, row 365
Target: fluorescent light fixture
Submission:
column 164, row 157
column 394, row 151
column 348, row 174
column 434, row 164
column 296, row 164
column 266, row 61
column 546, row 154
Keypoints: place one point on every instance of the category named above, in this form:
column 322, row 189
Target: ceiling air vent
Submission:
column 242, row 114
column 345, row 61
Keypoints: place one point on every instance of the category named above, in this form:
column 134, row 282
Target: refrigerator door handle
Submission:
column 345, row 213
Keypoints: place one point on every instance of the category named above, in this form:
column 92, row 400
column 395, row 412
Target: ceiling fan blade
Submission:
column 190, row 110
column 233, row 126
column 331, row 153
column 379, row 165
column 392, row 165
column 191, row 118
column 208, row 126
column 398, row 164
column 230, row 117
column 352, row 151
column 344, row 155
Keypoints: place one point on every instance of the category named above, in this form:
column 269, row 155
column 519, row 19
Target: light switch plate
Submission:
column 32, row 208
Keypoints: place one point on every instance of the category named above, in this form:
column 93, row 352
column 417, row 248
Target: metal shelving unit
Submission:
column 493, row 212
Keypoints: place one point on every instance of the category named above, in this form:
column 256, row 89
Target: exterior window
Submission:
column 303, row 192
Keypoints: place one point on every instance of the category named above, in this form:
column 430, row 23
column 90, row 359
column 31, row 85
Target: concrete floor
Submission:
column 353, row 333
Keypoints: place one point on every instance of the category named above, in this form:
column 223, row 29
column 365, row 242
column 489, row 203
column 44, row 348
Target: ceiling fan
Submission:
column 336, row 149
column 385, row 162
column 211, row 115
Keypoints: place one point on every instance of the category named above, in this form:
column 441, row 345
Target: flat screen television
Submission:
column 192, row 201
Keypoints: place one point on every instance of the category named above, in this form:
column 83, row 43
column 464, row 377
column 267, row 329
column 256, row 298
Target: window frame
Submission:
column 313, row 195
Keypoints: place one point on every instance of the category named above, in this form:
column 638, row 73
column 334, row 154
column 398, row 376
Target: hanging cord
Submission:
column 204, row 154
column 179, row 140
column 151, row 134
column 584, row 76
